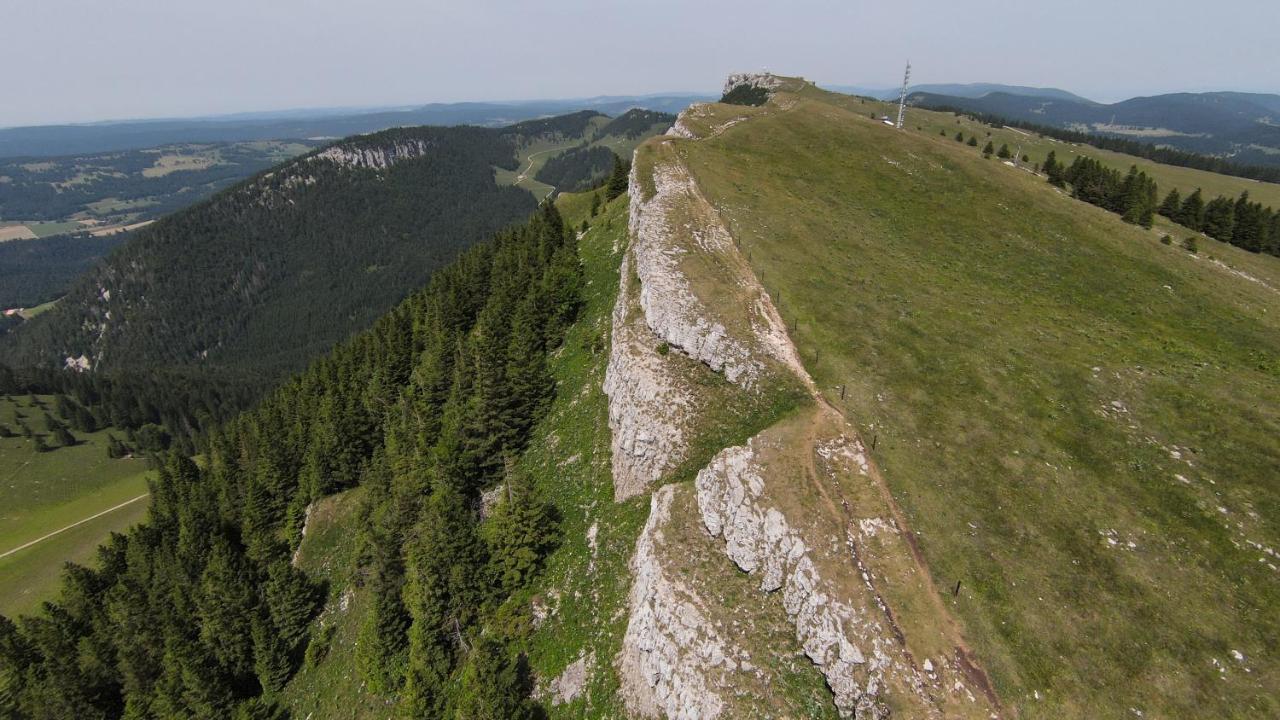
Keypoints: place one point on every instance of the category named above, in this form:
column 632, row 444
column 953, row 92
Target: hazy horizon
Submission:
column 148, row 59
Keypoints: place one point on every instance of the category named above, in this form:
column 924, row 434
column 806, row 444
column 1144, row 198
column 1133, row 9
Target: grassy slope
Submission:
column 43, row 492
column 1037, row 148
column 332, row 687
column 587, row 588
column 966, row 305
column 584, row 590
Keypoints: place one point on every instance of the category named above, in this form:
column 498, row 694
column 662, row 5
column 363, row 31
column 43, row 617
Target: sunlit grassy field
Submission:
column 1079, row 421
column 41, row 493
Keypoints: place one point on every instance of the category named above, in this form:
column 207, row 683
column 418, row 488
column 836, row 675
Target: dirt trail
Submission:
column 95, row 516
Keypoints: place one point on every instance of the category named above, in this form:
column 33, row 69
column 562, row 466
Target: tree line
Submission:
column 1156, row 153
column 199, row 612
column 1241, row 222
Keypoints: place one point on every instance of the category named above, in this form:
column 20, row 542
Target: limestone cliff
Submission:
column 799, row 506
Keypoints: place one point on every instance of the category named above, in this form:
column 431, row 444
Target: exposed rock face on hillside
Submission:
column 799, row 505
column 377, row 158
column 846, row 645
column 671, row 308
column 768, row 81
column 670, row 646
column 647, row 406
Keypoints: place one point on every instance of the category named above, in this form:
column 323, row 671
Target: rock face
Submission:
column 671, row 308
column 669, row 647
column 568, row 685
column 768, row 81
column 375, row 158
column 838, row 638
column 646, row 404
column 828, row 554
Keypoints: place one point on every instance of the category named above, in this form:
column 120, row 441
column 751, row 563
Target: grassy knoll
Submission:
column 1079, row 422
column 44, row 492
column 929, row 123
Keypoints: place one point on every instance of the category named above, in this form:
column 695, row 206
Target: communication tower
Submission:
column 902, row 99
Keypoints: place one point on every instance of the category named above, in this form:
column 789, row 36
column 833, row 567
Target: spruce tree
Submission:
column 1172, row 205
column 382, row 649
column 226, row 603
column 1003, row 153
column 520, row 533
column 618, row 178
column 959, row 136
column 495, row 685
column 1219, row 219
column 444, row 594
column 988, row 149
column 291, row 601
column 1191, row 214
column 972, row 141
column 271, row 662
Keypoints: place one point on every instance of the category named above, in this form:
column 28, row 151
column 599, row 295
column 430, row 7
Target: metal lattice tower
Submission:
column 902, row 99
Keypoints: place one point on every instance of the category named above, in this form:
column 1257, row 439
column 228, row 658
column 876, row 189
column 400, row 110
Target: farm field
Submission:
column 44, row 492
column 1078, row 421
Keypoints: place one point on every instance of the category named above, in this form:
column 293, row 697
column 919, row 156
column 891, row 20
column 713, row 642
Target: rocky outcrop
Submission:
column 767, row 81
column 647, row 406
column 793, row 527
column 671, row 308
column 379, row 157
column 669, row 647
column 841, row 640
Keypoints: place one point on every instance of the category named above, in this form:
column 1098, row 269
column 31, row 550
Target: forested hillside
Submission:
column 35, row 271
column 274, row 271
column 201, row 613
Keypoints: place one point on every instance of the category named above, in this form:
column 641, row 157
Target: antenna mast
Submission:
column 902, row 99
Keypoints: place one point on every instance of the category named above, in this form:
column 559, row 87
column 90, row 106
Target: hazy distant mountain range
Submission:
column 58, row 140
column 1244, row 127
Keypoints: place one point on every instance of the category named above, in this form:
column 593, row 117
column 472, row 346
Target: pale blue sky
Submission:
column 83, row 60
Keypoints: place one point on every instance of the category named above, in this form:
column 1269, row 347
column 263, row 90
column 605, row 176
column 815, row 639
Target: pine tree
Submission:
column 520, row 533
column 1053, row 169
column 1219, row 218
column 1172, row 205
column 595, row 204
column 1003, row 153
column 444, row 594
column 988, row 149
column 225, row 605
column 494, row 685
column 1191, row 214
column 972, row 141
column 291, row 601
column 382, row 649
column 959, row 136
column 618, row 179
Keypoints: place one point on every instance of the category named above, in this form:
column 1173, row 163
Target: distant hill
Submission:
column 55, row 140
column 965, row 90
column 1244, row 127
column 277, row 269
